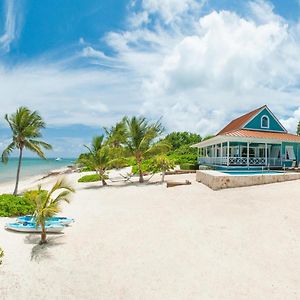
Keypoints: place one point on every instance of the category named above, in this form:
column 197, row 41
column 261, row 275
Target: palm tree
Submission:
column 140, row 140
column 26, row 128
column 47, row 203
column 98, row 158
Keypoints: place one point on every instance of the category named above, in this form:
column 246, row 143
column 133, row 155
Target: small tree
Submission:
column 47, row 203
column 298, row 128
column 162, row 164
column 99, row 158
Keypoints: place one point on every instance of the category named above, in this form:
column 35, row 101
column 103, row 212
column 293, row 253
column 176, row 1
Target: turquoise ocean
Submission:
column 31, row 167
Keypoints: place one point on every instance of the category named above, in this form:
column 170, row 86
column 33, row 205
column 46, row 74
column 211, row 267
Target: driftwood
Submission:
column 175, row 183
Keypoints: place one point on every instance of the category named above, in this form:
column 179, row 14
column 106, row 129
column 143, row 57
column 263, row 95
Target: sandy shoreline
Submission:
column 149, row 242
column 33, row 181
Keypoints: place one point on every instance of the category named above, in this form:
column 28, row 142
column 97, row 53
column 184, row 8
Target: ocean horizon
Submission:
column 31, row 167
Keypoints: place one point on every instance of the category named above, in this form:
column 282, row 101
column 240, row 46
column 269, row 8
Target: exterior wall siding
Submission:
column 256, row 122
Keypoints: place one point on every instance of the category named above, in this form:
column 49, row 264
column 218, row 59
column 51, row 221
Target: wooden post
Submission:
column 248, row 153
column 266, row 154
column 227, row 153
column 222, row 153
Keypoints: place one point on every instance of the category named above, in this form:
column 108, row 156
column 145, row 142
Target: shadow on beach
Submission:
column 40, row 252
column 120, row 185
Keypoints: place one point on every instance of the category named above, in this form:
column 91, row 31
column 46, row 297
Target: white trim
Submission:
column 261, row 121
column 219, row 138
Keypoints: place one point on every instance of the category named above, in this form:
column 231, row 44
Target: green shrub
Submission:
column 186, row 166
column 11, row 206
column 184, row 158
column 1, row 255
column 89, row 178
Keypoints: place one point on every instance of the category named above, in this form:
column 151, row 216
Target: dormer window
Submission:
column 265, row 122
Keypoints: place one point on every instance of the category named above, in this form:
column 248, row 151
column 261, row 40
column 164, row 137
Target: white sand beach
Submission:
column 150, row 242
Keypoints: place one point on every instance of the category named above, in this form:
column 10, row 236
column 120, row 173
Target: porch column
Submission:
column 248, row 150
column 227, row 153
column 222, row 153
column 266, row 154
column 205, row 151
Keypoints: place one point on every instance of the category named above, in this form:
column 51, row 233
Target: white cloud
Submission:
column 12, row 24
column 197, row 77
column 170, row 9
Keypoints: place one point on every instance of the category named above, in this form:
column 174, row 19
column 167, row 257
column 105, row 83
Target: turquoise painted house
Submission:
column 256, row 139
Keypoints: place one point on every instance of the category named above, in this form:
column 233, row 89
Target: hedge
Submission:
column 189, row 166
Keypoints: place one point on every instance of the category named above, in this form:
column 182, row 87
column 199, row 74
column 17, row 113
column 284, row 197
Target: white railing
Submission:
column 239, row 161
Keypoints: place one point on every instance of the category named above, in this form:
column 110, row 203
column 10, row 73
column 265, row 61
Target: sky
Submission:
column 197, row 64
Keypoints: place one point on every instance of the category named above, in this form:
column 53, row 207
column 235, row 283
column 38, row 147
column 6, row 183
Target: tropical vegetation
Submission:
column 26, row 126
column 47, row 203
column 11, row 206
column 90, row 178
column 139, row 143
column 141, row 140
column 162, row 163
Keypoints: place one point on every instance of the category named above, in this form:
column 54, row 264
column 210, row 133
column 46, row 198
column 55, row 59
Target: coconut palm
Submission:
column 26, row 128
column 99, row 157
column 140, row 140
column 47, row 203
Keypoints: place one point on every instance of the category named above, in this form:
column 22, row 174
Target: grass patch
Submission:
column 11, row 206
column 89, row 178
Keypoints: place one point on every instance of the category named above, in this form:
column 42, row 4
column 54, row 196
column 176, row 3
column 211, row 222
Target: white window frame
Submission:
column 261, row 121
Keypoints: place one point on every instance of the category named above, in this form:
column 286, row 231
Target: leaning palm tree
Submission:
column 140, row 140
column 26, row 128
column 47, row 203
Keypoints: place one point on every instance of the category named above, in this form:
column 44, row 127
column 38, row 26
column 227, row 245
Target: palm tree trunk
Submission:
column 104, row 182
column 163, row 176
column 43, row 235
column 141, row 180
column 18, row 172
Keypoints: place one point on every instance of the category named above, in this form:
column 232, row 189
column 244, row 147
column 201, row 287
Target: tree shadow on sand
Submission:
column 40, row 252
column 122, row 185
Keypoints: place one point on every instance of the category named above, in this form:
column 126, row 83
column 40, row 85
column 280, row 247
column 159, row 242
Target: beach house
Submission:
column 256, row 139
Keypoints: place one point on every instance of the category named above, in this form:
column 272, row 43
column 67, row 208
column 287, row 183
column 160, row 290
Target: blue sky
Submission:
column 197, row 63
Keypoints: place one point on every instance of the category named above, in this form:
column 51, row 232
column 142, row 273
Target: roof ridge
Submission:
column 246, row 116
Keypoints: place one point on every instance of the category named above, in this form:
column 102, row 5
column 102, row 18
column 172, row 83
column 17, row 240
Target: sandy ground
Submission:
column 150, row 242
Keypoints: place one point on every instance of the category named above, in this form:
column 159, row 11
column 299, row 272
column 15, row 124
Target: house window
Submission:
column 265, row 122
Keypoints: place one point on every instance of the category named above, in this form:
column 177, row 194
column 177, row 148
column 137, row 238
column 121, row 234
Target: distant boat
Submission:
column 58, row 158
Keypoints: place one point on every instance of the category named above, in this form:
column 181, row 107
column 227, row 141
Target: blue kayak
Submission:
column 31, row 227
column 60, row 220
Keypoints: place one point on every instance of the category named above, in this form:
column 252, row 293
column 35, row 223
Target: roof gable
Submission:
column 256, row 123
column 253, row 121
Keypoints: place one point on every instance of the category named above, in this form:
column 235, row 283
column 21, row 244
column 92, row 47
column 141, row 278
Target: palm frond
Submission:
column 7, row 151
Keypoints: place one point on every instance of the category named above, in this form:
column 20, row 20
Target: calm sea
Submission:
column 31, row 167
